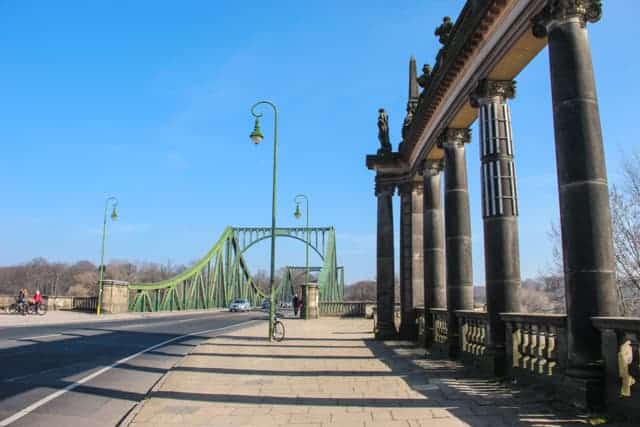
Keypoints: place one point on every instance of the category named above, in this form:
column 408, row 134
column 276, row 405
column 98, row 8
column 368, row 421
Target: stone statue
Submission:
column 423, row 80
column 444, row 30
column 383, row 132
column 625, row 357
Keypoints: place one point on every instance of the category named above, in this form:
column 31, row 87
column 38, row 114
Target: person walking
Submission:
column 296, row 304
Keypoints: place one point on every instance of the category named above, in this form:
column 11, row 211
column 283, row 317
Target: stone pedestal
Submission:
column 311, row 298
column 114, row 298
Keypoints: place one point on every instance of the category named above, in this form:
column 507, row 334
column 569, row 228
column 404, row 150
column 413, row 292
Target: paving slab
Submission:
column 330, row 372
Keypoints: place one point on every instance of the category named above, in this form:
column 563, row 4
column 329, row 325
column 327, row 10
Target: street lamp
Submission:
column 114, row 215
column 298, row 214
column 257, row 137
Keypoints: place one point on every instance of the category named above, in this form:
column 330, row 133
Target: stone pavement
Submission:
column 331, row 373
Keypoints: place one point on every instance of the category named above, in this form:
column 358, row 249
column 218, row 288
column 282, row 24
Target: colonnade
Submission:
column 435, row 253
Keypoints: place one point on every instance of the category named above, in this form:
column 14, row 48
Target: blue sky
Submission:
column 149, row 101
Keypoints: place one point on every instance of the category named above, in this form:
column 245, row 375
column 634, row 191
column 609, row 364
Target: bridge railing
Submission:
column 346, row 308
column 620, row 346
column 85, row 303
column 536, row 346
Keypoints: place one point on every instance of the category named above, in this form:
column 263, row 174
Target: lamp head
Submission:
column 297, row 213
column 256, row 136
column 114, row 214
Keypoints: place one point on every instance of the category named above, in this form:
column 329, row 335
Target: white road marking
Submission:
column 38, row 337
column 49, row 398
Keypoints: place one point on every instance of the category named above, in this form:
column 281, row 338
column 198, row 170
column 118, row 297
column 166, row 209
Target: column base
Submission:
column 384, row 333
column 583, row 388
column 408, row 329
column 491, row 362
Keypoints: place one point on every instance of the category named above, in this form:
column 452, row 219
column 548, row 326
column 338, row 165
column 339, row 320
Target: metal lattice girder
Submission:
column 223, row 275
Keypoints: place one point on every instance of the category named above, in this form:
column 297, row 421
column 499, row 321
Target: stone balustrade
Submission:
column 436, row 330
column 620, row 346
column 473, row 332
column 346, row 308
column 536, row 346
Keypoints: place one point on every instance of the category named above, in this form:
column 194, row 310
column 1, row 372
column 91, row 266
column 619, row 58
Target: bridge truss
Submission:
column 222, row 274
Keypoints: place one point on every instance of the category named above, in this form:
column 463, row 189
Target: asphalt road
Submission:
column 83, row 373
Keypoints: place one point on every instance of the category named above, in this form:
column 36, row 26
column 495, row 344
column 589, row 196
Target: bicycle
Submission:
column 40, row 309
column 278, row 329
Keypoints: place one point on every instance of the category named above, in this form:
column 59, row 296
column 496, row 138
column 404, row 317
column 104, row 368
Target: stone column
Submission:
column 499, row 212
column 457, row 230
column 585, row 217
column 385, row 327
column 411, row 263
column 433, row 232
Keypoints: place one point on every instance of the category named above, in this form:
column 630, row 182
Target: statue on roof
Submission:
column 444, row 30
column 383, row 132
column 423, row 80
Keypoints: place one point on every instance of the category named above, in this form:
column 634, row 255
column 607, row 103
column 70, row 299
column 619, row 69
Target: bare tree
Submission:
column 625, row 213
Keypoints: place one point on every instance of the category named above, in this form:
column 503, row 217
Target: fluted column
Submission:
column 385, row 327
column 434, row 256
column 411, row 286
column 499, row 210
column 585, row 217
column 457, row 230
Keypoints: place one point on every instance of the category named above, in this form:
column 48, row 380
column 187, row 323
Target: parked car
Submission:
column 266, row 304
column 240, row 305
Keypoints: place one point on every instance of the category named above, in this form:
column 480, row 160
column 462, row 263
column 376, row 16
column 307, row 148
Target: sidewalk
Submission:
column 69, row 317
column 330, row 373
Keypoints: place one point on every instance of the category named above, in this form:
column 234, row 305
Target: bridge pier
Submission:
column 457, row 231
column 385, row 328
column 499, row 213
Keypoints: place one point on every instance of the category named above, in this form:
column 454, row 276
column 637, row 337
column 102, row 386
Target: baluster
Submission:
column 515, row 344
column 483, row 336
column 542, row 346
column 524, row 350
column 551, row 351
column 476, row 336
column 463, row 335
column 533, row 347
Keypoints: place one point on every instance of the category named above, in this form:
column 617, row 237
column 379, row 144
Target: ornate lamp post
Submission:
column 257, row 137
column 298, row 214
column 114, row 215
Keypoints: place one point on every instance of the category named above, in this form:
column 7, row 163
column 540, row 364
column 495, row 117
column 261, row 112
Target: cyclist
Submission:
column 22, row 300
column 37, row 300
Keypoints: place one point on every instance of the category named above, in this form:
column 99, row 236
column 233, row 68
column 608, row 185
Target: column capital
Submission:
column 432, row 167
column 488, row 89
column 561, row 11
column 454, row 137
column 408, row 187
column 384, row 188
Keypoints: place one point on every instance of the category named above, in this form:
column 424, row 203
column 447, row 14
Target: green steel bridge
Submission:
column 223, row 275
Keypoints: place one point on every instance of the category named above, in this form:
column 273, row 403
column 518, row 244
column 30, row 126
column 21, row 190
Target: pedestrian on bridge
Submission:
column 296, row 304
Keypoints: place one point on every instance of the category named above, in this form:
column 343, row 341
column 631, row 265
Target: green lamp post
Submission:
column 257, row 137
column 298, row 214
column 114, row 215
